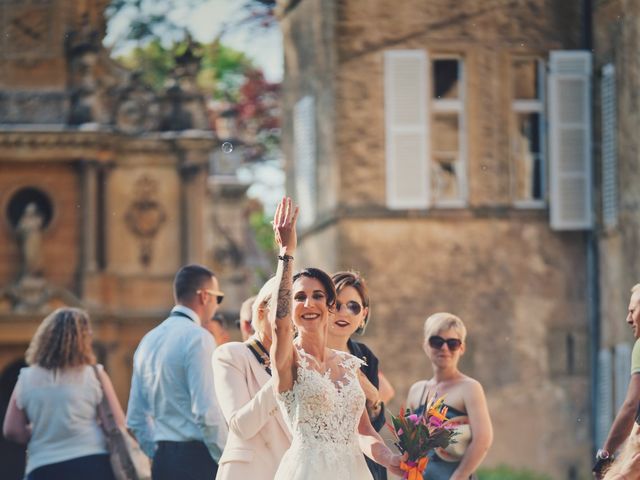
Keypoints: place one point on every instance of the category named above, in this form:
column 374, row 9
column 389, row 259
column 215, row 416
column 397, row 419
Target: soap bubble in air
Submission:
column 227, row 147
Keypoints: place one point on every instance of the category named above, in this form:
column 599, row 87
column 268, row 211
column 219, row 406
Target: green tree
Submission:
column 223, row 70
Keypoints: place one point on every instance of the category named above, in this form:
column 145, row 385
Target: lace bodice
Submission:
column 325, row 407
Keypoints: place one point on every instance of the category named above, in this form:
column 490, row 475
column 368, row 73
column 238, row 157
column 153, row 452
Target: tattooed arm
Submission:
column 282, row 350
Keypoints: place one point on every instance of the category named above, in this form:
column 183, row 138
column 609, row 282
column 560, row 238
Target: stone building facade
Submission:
column 422, row 159
column 617, row 119
column 105, row 190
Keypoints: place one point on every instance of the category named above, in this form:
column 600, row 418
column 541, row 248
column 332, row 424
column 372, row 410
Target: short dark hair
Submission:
column 353, row 279
column 189, row 279
column 324, row 279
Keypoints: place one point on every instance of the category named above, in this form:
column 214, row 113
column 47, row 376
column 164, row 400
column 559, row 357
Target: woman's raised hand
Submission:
column 284, row 226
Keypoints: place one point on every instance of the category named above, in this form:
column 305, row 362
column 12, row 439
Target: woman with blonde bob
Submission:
column 444, row 344
column 53, row 408
column 258, row 435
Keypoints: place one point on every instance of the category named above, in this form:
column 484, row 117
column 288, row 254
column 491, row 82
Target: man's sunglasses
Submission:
column 437, row 342
column 214, row 293
column 352, row 307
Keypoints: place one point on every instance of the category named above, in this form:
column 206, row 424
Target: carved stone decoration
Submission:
column 82, row 48
column 137, row 110
column 183, row 105
column 145, row 216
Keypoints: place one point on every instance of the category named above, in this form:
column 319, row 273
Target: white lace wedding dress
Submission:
column 323, row 411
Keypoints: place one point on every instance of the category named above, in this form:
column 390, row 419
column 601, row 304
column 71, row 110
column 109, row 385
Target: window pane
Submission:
column 444, row 132
column 446, row 75
column 444, row 177
column 527, row 157
column 525, row 79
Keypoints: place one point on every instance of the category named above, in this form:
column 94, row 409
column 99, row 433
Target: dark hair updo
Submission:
column 324, row 279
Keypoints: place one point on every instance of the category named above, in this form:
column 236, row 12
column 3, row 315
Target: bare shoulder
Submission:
column 471, row 387
column 416, row 392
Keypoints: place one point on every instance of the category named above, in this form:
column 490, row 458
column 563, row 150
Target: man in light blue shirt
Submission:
column 172, row 409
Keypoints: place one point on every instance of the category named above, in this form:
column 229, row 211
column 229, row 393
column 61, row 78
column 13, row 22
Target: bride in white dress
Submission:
column 318, row 389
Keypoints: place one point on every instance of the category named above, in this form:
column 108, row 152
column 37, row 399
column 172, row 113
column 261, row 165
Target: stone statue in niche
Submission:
column 29, row 229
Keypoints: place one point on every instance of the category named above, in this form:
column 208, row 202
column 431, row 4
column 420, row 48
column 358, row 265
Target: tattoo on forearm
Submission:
column 283, row 307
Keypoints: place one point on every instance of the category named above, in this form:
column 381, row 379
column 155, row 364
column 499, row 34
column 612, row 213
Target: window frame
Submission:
column 448, row 106
column 519, row 106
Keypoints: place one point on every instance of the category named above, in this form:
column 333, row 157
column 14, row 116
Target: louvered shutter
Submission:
column 570, row 140
column 609, row 148
column 304, row 131
column 622, row 364
column 604, row 405
column 405, row 95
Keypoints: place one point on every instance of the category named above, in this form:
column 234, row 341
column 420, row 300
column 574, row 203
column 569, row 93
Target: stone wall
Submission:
column 616, row 38
column 520, row 287
column 520, row 306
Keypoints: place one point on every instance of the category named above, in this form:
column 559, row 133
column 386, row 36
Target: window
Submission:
column 447, row 132
column 425, row 130
column 527, row 132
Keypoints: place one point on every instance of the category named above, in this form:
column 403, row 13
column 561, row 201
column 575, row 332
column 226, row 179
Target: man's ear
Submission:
column 246, row 327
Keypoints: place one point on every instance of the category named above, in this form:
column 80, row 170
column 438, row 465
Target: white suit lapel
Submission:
column 261, row 376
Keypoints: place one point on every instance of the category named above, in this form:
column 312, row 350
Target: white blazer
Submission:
column 258, row 435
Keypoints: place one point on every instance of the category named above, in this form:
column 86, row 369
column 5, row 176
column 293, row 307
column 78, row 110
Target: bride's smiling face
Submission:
column 310, row 309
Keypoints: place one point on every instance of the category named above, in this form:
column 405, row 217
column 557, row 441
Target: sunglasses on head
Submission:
column 214, row 293
column 352, row 307
column 437, row 342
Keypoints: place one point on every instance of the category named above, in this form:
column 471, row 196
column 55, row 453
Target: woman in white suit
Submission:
column 258, row 435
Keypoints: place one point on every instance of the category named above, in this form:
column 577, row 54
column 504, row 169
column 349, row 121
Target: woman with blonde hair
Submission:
column 258, row 435
column 53, row 407
column 444, row 343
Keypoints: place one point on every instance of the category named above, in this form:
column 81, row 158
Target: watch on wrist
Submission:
column 602, row 454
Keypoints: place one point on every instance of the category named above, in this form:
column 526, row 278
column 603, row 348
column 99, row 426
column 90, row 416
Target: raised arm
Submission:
column 282, row 350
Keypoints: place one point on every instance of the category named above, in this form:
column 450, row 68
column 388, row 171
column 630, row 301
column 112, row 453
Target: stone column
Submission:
column 89, row 215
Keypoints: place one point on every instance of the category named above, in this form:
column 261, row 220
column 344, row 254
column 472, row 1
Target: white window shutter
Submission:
column 405, row 105
column 570, row 140
column 622, row 373
column 604, row 404
column 304, row 133
column 609, row 147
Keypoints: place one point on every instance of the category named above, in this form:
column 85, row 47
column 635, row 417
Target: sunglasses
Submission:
column 214, row 293
column 437, row 342
column 352, row 307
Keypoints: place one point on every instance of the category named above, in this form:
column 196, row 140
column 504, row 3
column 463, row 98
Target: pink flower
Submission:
column 435, row 422
column 400, row 431
column 414, row 418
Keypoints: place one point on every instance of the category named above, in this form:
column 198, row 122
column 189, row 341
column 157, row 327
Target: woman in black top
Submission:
column 351, row 316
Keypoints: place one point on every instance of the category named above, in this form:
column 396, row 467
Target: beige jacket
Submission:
column 258, row 435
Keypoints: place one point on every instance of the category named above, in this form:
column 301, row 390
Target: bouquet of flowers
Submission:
column 419, row 431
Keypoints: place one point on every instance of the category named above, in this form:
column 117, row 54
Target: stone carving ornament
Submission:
column 145, row 216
